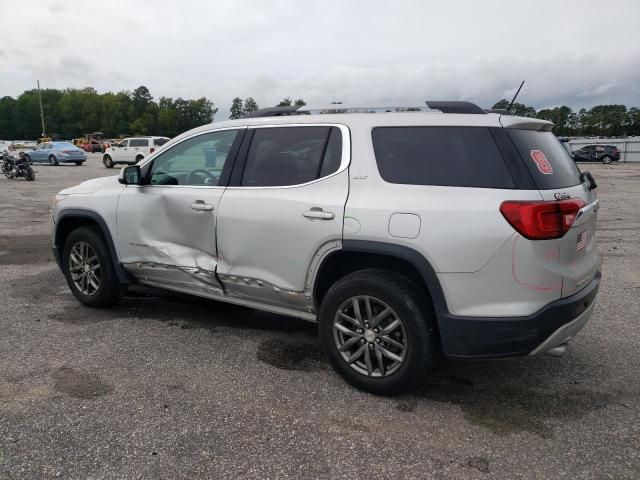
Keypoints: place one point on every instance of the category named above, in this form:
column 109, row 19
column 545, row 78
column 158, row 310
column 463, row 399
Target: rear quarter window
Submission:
column 138, row 142
column 445, row 156
column 160, row 141
column 546, row 159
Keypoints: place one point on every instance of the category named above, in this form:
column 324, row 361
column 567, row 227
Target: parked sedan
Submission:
column 56, row 152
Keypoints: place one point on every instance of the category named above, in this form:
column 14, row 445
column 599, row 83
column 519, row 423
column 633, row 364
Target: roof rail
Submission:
column 274, row 111
column 455, row 107
column 348, row 108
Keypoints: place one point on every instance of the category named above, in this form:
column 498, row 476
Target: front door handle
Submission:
column 201, row 206
column 317, row 213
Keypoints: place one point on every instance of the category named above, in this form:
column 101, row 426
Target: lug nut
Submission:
column 359, row 330
column 371, row 345
column 366, row 325
column 378, row 340
column 376, row 330
column 362, row 342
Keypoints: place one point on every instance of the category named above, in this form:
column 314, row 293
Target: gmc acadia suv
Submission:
column 404, row 234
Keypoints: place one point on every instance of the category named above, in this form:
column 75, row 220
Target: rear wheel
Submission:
column 31, row 176
column 88, row 268
column 53, row 161
column 378, row 332
column 108, row 161
column 606, row 159
column 139, row 158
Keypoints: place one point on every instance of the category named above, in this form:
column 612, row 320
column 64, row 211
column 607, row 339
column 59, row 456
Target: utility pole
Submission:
column 41, row 112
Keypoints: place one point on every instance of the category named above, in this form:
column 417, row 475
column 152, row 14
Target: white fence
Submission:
column 629, row 147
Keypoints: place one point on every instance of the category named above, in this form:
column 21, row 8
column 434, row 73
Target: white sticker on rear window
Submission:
column 541, row 162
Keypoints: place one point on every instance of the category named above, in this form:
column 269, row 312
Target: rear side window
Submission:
column 291, row 155
column 160, row 141
column 446, row 156
column 138, row 142
column 547, row 161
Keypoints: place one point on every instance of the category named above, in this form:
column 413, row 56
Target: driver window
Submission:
column 196, row 161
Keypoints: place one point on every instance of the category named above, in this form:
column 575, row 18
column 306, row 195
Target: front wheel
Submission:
column 88, row 268
column 378, row 332
column 78, row 164
column 108, row 161
column 53, row 161
column 606, row 159
column 30, row 176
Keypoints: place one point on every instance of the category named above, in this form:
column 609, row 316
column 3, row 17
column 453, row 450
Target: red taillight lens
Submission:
column 152, row 150
column 541, row 220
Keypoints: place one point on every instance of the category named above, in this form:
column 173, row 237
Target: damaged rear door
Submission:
column 167, row 226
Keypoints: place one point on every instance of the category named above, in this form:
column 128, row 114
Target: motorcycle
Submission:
column 17, row 167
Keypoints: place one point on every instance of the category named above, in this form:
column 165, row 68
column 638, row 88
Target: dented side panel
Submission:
column 161, row 237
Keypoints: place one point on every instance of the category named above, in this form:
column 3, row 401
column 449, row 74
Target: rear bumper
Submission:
column 551, row 326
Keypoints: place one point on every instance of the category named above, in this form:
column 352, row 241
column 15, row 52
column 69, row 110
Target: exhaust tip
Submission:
column 557, row 351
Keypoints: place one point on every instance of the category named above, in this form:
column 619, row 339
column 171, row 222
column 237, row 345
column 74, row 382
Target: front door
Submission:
column 166, row 227
column 284, row 209
column 120, row 152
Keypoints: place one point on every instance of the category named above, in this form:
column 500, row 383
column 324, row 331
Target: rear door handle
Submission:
column 317, row 213
column 201, row 206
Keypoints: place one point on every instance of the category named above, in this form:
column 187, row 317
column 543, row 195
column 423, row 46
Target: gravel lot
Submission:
column 160, row 387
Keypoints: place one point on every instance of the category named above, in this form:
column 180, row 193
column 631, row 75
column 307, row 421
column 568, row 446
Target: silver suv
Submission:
column 404, row 234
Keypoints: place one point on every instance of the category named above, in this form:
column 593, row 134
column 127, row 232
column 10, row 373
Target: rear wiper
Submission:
column 587, row 177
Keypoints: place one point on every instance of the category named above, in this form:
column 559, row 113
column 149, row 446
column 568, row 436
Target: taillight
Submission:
column 152, row 150
column 539, row 220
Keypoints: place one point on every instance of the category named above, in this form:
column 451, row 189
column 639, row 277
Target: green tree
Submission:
column 250, row 105
column 286, row 102
column 299, row 102
column 237, row 109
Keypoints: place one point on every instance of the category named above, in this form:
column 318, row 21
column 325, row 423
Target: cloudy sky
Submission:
column 578, row 53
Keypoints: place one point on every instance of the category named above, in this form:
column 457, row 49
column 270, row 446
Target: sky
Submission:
column 575, row 53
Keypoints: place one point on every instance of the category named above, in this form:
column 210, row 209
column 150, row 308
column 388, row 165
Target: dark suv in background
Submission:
column 597, row 153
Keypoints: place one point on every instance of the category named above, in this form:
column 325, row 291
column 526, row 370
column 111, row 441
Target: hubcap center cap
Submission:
column 370, row 335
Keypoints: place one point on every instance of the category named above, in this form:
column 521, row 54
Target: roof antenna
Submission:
column 515, row 96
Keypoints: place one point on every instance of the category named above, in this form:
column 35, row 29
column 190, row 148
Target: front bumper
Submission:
column 550, row 327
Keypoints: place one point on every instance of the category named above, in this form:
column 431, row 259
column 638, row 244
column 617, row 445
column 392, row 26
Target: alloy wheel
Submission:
column 84, row 267
column 370, row 336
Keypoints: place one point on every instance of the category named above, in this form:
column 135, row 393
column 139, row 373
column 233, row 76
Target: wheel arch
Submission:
column 358, row 254
column 72, row 219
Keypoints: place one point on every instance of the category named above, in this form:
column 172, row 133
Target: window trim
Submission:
column 147, row 163
column 345, row 158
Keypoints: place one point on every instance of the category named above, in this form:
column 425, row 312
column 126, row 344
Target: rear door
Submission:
column 557, row 177
column 285, row 204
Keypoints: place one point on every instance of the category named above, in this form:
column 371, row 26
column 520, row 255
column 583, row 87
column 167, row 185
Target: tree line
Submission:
column 601, row 120
column 71, row 113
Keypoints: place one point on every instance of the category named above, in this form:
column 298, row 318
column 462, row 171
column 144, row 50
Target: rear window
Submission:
column 446, row 156
column 138, row 142
column 547, row 161
column 160, row 141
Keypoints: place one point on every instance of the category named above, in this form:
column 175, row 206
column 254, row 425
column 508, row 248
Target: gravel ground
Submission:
column 161, row 387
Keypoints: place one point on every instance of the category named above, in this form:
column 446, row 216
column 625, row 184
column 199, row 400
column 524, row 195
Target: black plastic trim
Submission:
column 455, row 107
column 123, row 276
column 485, row 337
column 481, row 337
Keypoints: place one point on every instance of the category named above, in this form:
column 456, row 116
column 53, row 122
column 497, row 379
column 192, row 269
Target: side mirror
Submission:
column 130, row 175
column 33, row 148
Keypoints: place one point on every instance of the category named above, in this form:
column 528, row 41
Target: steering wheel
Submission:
column 194, row 179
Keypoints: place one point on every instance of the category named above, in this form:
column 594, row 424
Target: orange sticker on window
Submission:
column 541, row 162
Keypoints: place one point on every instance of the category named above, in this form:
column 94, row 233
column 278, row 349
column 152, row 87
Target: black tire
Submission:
column 110, row 290
column 31, row 176
column 138, row 159
column 417, row 318
column 108, row 161
column 606, row 159
column 78, row 164
column 53, row 161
